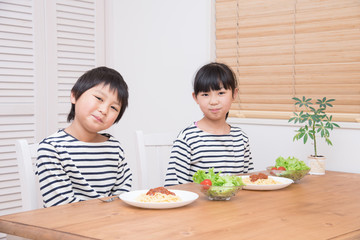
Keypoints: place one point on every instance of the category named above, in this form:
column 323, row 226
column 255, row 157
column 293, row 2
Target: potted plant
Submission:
column 317, row 123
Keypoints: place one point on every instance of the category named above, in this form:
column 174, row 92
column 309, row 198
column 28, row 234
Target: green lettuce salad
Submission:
column 216, row 179
column 222, row 186
column 291, row 163
column 295, row 168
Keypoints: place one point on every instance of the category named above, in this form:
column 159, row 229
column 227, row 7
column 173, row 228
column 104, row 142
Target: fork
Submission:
column 109, row 199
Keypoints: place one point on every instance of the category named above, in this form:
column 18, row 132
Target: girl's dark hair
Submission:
column 214, row 76
column 105, row 76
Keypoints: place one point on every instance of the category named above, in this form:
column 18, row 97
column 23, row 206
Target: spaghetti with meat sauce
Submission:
column 159, row 195
column 260, row 179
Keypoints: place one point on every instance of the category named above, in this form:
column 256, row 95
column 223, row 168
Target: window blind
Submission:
column 281, row 49
column 17, row 95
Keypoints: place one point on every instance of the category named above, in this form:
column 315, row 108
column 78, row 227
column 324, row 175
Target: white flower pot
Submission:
column 317, row 165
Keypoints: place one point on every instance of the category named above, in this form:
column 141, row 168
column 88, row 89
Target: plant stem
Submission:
column 315, row 150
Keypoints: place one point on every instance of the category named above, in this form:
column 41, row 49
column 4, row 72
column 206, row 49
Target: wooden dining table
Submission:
column 317, row 207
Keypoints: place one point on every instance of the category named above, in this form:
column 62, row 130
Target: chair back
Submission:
column 153, row 153
column 30, row 191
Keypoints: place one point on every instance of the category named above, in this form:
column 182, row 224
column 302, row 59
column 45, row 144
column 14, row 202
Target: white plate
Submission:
column 284, row 183
column 186, row 198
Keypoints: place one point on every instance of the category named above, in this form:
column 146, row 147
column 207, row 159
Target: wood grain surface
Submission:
column 318, row 207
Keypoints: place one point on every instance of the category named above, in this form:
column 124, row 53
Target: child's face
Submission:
column 215, row 103
column 96, row 109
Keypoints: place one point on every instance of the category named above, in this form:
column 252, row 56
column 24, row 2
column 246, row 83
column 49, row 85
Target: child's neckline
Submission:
column 107, row 136
column 207, row 132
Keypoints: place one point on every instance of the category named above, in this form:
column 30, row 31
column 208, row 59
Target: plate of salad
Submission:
column 217, row 186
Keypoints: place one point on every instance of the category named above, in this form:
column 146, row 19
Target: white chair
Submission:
column 30, row 191
column 153, row 153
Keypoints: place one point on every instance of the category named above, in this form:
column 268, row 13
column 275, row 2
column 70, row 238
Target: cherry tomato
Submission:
column 274, row 168
column 206, row 184
column 281, row 168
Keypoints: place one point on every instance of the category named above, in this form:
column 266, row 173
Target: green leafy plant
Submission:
column 316, row 121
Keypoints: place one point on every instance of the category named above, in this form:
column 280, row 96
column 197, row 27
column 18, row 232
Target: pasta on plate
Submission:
column 260, row 179
column 158, row 195
column 268, row 181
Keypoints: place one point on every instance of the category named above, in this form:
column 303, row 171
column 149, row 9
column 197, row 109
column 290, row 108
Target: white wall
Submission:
column 157, row 46
column 273, row 138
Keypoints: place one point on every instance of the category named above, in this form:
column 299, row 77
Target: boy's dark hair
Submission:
column 213, row 76
column 101, row 75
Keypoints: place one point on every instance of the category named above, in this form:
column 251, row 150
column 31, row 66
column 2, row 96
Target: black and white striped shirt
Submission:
column 195, row 149
column 70, row 170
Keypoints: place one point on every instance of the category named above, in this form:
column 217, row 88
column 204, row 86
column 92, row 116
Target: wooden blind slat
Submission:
column 341, row 117
column 290, row 107
column 313, row 89
column 231, row 43
column 286, row 99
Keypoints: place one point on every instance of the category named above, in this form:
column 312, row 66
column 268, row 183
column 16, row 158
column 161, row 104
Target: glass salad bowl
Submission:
column 295, row 175
column 219, row 193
